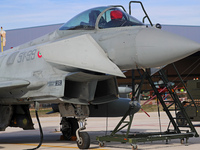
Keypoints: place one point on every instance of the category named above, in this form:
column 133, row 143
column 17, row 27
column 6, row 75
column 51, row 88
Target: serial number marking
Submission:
column 55, row 83
column 26, row 56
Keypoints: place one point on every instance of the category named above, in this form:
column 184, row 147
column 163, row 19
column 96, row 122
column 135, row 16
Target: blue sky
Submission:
column 16, row 14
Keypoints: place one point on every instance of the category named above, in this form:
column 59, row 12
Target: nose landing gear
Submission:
column 83, row 138
column 73, row 126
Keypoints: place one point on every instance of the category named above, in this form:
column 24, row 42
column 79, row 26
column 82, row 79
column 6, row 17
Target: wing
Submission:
column 80, row 52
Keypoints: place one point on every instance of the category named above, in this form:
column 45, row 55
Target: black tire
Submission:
column 75, row 126
column 180, row 119
column 69, row 127
column 84, row 142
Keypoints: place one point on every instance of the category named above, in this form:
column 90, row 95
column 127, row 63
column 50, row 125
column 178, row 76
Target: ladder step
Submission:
column 184, row 126
column 126, row 121
column 169, row 101
column 179, row 118
column 173, row 109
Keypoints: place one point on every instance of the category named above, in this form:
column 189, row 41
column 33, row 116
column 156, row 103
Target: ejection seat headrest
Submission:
column 116, row 14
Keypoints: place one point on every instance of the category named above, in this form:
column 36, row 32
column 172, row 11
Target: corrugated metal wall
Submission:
column 19, row 36
column 190, row 32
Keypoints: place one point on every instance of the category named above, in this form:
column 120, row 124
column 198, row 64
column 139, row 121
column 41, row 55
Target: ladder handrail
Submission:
column 177, row 101
column 163, row 103
column 185, row 86
column 142, row 9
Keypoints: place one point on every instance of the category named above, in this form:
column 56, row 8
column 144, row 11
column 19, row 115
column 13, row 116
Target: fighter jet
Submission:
column 77, row 65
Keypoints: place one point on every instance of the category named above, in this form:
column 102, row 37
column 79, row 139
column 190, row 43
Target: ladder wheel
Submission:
column 101, row 144
column 182, row 141
column 134, row 147
column 180, row 120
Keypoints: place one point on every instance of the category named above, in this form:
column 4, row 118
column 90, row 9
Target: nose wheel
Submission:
column 84, row 140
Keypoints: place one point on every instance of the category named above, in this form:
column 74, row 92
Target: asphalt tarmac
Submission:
column 18, row 139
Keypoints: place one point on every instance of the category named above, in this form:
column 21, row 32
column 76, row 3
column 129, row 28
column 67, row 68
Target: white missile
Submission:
column 124, row 90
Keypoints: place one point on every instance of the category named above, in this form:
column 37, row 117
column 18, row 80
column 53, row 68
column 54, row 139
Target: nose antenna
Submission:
column 146, row 15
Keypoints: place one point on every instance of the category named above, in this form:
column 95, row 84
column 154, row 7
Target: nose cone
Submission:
column 155, row 47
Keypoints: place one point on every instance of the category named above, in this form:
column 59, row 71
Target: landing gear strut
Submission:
column 83, row 138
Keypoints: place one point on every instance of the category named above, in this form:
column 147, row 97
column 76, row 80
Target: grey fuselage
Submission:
column 127, row 47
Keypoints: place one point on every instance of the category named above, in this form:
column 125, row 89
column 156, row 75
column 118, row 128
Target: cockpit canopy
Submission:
column 101, row 17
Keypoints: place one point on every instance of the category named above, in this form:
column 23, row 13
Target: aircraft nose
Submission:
column 155, row 47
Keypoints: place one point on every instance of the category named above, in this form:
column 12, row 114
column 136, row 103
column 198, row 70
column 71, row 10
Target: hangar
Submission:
column 189, row 67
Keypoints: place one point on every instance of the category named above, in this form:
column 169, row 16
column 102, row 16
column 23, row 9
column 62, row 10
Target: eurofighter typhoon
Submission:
column 76, row 66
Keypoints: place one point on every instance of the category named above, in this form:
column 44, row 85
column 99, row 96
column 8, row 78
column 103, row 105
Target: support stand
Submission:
column 175, row 133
